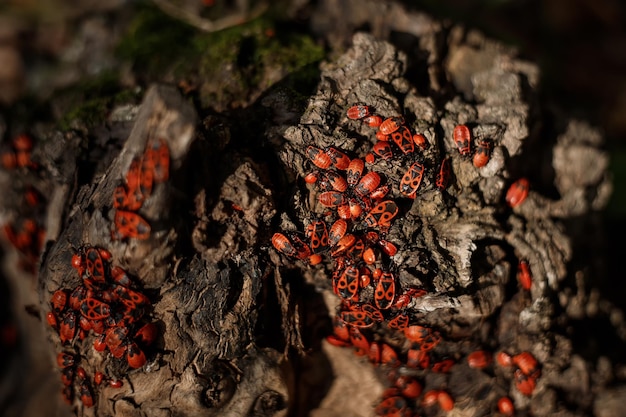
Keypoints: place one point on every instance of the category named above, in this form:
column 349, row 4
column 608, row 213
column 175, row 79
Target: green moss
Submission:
column 251, row 57
column 155, row 43
column 229, row 67
column 88, row 103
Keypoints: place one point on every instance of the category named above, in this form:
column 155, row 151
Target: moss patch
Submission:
column 229, row 68
column 95, row 97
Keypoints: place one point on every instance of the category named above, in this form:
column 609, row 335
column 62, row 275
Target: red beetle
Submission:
column 94, row 309
column 317, row 232
column 356, row 318
column 332, row 199
column 368, row 183
column 116, row 383
column 147, row 334
column 339, row 159
column 393, row 406
column 404, row 140
column 409, row 387
column 399, row 322
column 443, row 366
column 420, row 141
column 51, row 319
column 506, row 407
column 129, row 225
column 358, row 111
column 411, row 180
column 65, row 360
column 291, row 247
column 348, row 283
column 504, row 359
column 319, row 158
column 373, row 120
column 372, row 312
column 479, row 359
column 445, row 401
column 430, row 398
column 58, row 301
column 86, row 396
column 381, row 215
column 345, row 243
column 382, row 149
column 369, row 256
column 391, row 124
column 517, row 192
column 337, row 231
column 67, row 375
column 418, row 359
column 462, row 139
column 527, row 363
column 385, row 291
column 68, row 327
column 135, row 356
column 354, row 171
column 336, row 181
column 524, row 383
column 483, row 153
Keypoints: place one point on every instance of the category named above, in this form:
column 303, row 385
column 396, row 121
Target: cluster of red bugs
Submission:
column 18, row 154
column 108, row 305
column 355, row 238
column 26, row 233
column 144, row 172
column 526, row 370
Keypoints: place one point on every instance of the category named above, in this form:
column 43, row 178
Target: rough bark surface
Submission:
column 241, row 326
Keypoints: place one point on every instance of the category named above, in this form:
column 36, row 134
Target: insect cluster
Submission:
column 107, row 305
column 108, row 312
column 372, row 317
column 143, row 174
column 25, row 233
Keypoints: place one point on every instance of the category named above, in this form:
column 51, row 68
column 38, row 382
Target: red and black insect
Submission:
column 483, row 153
column 339, row 159
column 506, row 407
column 130, row 225
column 385, row 291
column 411, row 180
column 373, row 120
column 399, row 322
column 332, row 199
column 479, row 359
column 318, row 235
column 517, row 192
column 291, row 246
column 348, row 283
column 135, row 356
column 391, row 124
column 381, row 215
column 68, row 327
column 356, row 318
column 404, row 140
column 462, row 139
column 524, row 383
column 368, row 183
column 58, row 301
column 91, row 262
column 319, row 158
column 382, row 149
column 358, row 111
